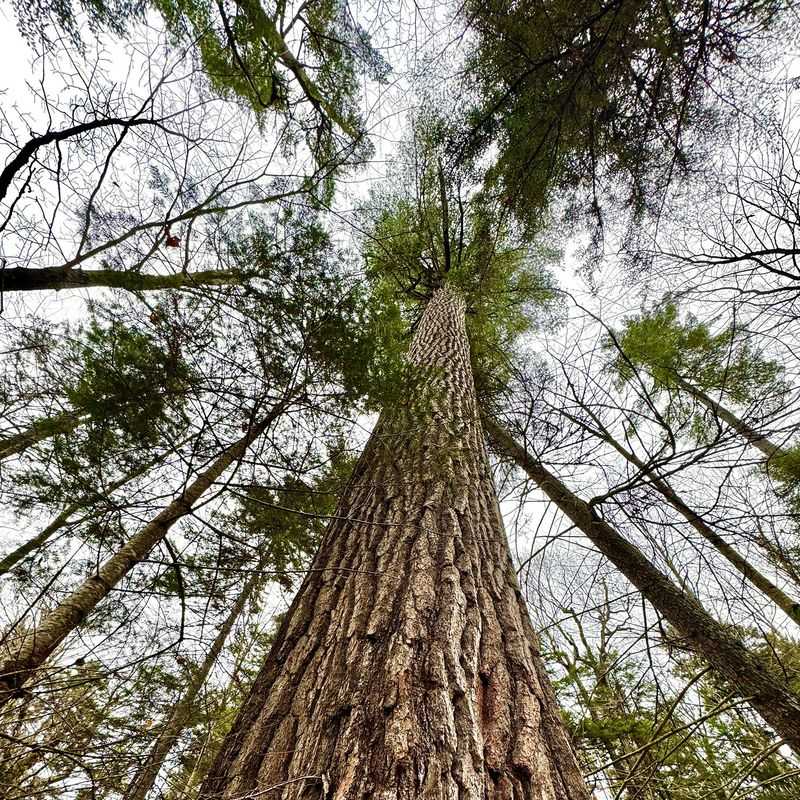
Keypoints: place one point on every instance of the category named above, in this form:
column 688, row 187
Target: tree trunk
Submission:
column 87, row 501
column 146, row 777
column 788, row 605
column 406, row 666
column 40, row 430
column 28, row 651
column 751, row 435
column 752, row 677
column 20, row 279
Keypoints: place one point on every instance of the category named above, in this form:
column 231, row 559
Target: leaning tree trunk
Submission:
column 85, row 503
column 406, row 666
column 787, row 604
column 40, row 430
column 21, row 279
column 26, row 652
column 750, row 434
column 145, row 778
column 750, row 675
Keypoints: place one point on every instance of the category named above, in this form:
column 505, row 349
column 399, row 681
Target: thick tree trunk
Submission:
column 20, row 279
column 168, row 736
column 40, row 430
column 406, row 666
column 26, row 652
column 753, row 678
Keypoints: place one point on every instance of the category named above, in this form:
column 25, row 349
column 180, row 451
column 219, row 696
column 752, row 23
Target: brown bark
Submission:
column 406, row 666
column 26, row 652
column 750, row 675
column 20, row 279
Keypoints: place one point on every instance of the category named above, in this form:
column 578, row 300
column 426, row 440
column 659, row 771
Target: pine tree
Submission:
column 407, row 666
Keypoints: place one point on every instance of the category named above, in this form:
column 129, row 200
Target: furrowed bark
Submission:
column 20, row 279
column 406, row 666
column 144, row 780
column 40, row 430
column 25, row 653
column 752, row 677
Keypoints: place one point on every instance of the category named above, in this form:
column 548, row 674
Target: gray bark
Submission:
column 39, row 431
column 144, row 780
column 20, row 279
column 26, row 652
column 787, row 604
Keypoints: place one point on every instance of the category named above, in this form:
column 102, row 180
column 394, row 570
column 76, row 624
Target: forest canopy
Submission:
column 399, row 401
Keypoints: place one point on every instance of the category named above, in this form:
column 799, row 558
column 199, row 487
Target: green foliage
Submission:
column 704, row 746
column 127, row 387
column 785, row 469
column 670, row 349
column 34, row 17
column 425, row 230
column 290, row 519
column 127, row 380
column 308, row 292
column 752, row 746
column 243, row 51
column 684, row 356
column 232, row 49
column 572, row 93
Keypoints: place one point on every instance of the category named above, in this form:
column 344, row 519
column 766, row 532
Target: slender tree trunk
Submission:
column 29, row 650
column 146, row 777
column 615, row 773
column 406, row 666
column 20, row 279
column 753, row 437
column 623, row 773
column 185, row 782
column 40, row 430
column 753, row 678
column 788, row 605
column 87, row 501
column 635, row 772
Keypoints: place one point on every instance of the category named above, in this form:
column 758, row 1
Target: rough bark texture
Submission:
column 27, row 651
column 752, row 677
column 407, row 667
column 20, row 279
